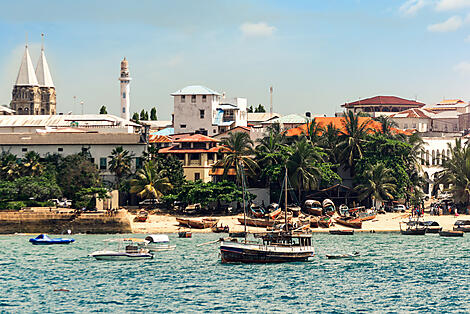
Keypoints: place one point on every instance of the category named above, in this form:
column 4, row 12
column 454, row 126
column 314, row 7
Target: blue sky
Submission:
column 316, row 54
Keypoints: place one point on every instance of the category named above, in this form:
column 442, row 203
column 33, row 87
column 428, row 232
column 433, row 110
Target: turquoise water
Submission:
column 394, row 274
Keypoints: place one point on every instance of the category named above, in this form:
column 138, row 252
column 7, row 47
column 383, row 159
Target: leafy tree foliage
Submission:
column 150, row 182
column 153, row 114
column 260, row 108
column 135, row 117
column 103, row 110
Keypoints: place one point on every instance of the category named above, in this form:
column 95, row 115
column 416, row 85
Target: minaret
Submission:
column 125, row 90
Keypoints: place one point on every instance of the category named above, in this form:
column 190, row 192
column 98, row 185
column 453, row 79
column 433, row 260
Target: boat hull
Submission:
column 197, row 224
column 51, row 242
column 354, row 223
column 256, row 222
column 414, row 232
column 451, row 233
column 342, row 232
column 120, row 256
column 232, row 252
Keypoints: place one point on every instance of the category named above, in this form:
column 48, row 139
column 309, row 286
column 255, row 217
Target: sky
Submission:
column 317, row 55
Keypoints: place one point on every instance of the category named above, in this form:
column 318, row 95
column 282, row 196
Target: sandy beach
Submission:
column 389, row 222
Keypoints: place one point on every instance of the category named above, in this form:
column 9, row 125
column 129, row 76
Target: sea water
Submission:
column 394, row 273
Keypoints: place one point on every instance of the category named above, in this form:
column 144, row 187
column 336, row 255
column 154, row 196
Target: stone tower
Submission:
column 33, row 92
column 125, row 89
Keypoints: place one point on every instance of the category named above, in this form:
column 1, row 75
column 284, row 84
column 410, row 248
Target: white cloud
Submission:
column 451, row 24
column 463, row 67
column 410, row 7
column 446, row 5
column 260, row 29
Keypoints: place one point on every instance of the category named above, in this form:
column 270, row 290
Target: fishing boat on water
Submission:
column 126, row 250
column 462, row 225
column 342, row 256
column 272, row 247
column 157, row 243
column 342, row 232
column 313, row 207
column 197, row 223
column 451, row 233
column 44, row 239
column 351, row 222
column 412, row 228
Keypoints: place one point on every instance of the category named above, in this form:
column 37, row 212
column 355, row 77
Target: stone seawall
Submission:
column 58, row 223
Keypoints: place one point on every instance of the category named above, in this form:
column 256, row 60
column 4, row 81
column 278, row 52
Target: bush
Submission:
column 17, row 205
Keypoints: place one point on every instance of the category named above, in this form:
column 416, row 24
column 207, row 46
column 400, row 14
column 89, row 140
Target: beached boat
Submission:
column 462, row 225
column 342, row 232
column 328, row 207
column 274, row 214
column 256, row 222
column 295, row 210
column 257, row 211
column 43, row 239
column 313, row 207
column 325, row 221
column 141, row 216
column 314, row 222
column 279, row 247
column 449, row 233
column 127, row 250
column 431, row 226
column 342, row 256
column 351, row 222
column 196, row 223
column 365, row 215
column 185, row 234
column 220, row 229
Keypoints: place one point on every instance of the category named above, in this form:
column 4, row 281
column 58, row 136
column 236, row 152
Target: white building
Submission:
column 202, row 110
column 125, row 80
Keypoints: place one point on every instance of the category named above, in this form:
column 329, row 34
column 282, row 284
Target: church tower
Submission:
column 46, row 86
column 26, row 96
column 125, row 89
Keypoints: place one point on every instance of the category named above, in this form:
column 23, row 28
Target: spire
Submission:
column 42, row 70
column 26, row 75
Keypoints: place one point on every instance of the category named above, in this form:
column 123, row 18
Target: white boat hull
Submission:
column 120, row 256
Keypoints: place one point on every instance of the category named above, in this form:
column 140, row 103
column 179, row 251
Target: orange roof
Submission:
column 337, row 122
column 220, row 171
column 177, row 150
column 154, row 138
column 196, row 138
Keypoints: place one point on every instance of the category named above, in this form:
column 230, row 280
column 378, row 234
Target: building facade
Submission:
column 381, row 105
column 34, row 91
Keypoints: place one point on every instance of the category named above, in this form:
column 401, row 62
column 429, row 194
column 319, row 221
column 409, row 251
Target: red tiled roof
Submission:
column 337, row 122
column 412, row 113
column 154, row 138
column 384, row 100
column 196, row 138
column 177, row 150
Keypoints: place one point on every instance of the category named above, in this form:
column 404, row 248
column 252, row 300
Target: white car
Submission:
column 399, row 208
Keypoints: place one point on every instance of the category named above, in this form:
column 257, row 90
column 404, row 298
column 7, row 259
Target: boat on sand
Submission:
column 197, row 223
column 256, row 222
column 313, row 207
column 351, row 222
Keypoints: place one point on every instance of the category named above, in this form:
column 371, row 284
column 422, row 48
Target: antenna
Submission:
column 271, row 100
column 26, row 38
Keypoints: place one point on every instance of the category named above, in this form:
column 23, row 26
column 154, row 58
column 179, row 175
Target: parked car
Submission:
column 399, row 208
column 61, row 203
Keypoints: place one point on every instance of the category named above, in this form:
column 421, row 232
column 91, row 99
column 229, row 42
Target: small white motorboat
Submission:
column 127, row 250
column 157, row 243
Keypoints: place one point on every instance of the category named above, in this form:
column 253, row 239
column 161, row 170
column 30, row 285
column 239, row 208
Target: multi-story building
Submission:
column 381, row 105
column 198, row 109
column 34, row 91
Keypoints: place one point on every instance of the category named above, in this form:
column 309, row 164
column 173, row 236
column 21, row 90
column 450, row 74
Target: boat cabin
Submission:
column 287, row 239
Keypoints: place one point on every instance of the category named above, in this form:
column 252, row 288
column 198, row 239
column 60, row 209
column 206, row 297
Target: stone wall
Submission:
column 59, row 223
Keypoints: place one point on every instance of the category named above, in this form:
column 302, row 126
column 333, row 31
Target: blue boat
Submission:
column 43, row 239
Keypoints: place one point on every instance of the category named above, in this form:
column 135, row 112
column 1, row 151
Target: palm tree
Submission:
column 149, row 182
column 150, row 153
column 9, row 167
column 329, row 141
column 456, row 172
column 303, row 172
column 313, row 131
column 238, row 154
column 31, row 165
column 379, row 183
column 352, row 139
column 120, row 164
column 386, row 125
column 270, row 152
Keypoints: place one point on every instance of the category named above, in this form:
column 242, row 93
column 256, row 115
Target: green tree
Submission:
column 135, row 117
column 238, row 155
column 352, row 139
column 313, row 131
column 379, row 184
column 144, row 116
column 260, row 108
column 103, row 110
column 272, row 153
column 149, row 182
column 9, row 166
column 329, row 141
column 38, row 188
column 153, row 114
column 31, row 165
column 301, row 166
column 386, row 125
column 250, row 109
column 120, row 164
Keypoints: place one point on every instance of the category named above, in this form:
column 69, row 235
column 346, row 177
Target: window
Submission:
column 183, row 126
column 183, row 98
column 60, row 149
column 24, row 149
column 194, row 156
column 138, row 163
column 123, row 109
column 197, row 176
column 103, row 163
column 214, row 131
column 201, row 113
column 204, row 98
column 123, row 95
column 193, row 98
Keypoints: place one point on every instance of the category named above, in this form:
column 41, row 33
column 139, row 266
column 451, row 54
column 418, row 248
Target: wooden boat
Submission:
column 257, row 222
column 220, row 229
column 196, row 223
column 141, row 216
column 325, row 221
column 431, row 226
column 450, row 233
column 351, row 222
column 185, row 234
column 328, row 207
column 313, row 207
column 341, row 256
column 295, row 210
column 241, row 234
column 273, row 215
column 314, row 222
column 342, row 232
column 412, row 228
column 367, row 215
column 462, row 225
column 275, row 248
column 257, row 211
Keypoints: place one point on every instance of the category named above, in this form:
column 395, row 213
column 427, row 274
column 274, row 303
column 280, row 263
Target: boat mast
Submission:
column 285, row 201
column 244, row 205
